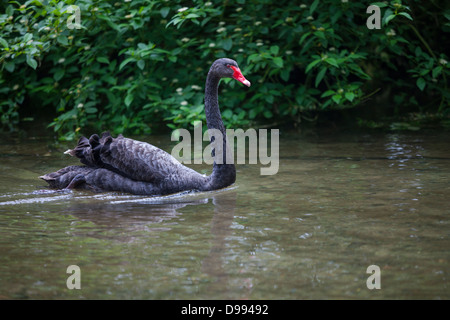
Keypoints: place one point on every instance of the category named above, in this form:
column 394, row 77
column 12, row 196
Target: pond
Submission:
column 340, row 202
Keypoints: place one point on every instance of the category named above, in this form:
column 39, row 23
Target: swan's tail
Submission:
column 62, row 178
column 88, row 150
column 70, row 152
column 83, row 148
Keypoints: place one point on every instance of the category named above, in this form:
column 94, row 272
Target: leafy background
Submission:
column 139, row 66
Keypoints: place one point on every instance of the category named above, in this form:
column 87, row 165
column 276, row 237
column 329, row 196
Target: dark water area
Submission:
column 339, row 203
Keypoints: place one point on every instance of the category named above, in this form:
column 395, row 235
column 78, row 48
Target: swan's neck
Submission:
column 212, row 111
column 223, row 174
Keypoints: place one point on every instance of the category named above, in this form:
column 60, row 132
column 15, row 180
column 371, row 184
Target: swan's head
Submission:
column 228, row 68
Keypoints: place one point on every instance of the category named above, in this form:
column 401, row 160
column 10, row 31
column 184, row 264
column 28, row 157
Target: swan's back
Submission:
column 130, row 158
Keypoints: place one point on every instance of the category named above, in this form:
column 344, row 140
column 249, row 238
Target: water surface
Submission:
column 339, row 203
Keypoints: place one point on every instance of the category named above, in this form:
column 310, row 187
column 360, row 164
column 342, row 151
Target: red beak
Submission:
column 239, row 76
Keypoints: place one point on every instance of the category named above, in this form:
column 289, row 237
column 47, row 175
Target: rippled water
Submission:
column 339, row 203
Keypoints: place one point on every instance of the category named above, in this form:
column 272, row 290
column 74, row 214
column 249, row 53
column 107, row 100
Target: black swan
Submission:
column 130, row 166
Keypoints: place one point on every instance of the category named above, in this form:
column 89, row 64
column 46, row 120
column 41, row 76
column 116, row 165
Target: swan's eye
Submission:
column 232, row 67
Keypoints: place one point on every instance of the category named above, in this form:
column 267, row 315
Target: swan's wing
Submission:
column 130, row 158
column 138, row 160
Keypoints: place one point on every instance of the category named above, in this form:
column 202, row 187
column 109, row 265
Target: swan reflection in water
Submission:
column 142, row 221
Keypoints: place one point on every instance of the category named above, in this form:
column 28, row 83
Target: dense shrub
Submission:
column 134, row 66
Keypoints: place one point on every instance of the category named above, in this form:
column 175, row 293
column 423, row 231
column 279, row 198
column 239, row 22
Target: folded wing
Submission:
column 133, row 159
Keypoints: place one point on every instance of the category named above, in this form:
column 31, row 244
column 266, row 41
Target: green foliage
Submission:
column 140, row 65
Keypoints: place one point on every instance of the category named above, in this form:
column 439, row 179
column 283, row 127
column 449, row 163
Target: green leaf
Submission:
column 3, row 42
column 192, row 16
column 27, row 37
column 336, row 98
column 312, row 64
column 227, row 44
column 31, row 62
column 111, row 80
column 125, row 62
column 332, row 61
column 424, row 72
column 406, row 15
column 10, row 10
column 58, row 74
column 164, row 11
column 129, row 99
column 418, row 51
column 303, row 37
column 9, row 66
column 421, row 84
column 91, row 110
column 349, row 96
column 380, row 4
column 436, row 71
column 387, row 13
column 327, row 93
column 103, row 60
column 278, row 61
column 63, row 40
column 320, row 76
column 174, row 21
column 285, row 73
column 142, row 46
column 108, row 21
column 227, row 114
column 389, row 18
column 141, row 64
column 313, row 6
column 274, row 50
column 320, row 34
column 268, row 114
